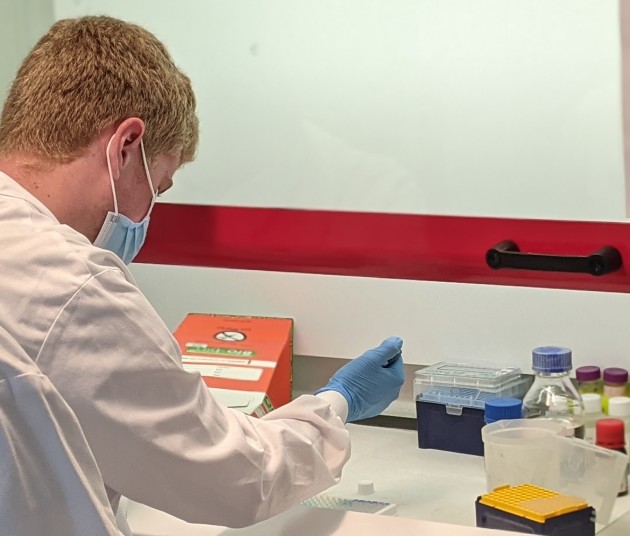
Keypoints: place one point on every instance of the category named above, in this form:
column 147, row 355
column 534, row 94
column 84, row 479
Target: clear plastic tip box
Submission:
column 450, row 400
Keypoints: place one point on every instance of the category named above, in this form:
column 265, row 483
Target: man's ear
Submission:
column 126, row 143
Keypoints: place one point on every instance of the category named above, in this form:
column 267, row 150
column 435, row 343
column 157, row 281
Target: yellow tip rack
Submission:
column 529, row 508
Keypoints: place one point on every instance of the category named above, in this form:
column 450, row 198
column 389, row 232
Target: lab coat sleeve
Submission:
column 158, row 435
column 337, row 402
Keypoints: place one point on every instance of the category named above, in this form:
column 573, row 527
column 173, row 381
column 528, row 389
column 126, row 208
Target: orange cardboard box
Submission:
column 244, row 360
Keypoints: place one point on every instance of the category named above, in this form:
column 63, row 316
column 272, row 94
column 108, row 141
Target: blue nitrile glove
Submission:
column 370, row 382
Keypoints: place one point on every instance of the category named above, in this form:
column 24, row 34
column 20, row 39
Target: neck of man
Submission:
column 71, row 191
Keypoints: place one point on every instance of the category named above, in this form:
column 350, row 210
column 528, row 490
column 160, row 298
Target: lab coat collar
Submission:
column 11, row 188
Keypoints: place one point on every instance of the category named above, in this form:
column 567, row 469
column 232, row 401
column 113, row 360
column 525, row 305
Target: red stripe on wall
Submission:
column 395, row 246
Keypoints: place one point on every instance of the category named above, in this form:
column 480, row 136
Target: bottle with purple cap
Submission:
column 553, row 395
column 615, row 380
column 589, row 379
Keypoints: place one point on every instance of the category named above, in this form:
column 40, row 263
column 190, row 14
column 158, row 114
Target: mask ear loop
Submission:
column 111, row 175
column 148, row 174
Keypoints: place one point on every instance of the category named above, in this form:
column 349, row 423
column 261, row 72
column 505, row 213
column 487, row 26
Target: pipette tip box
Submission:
column 331, row 502
column 535, row 510
column 450, row 400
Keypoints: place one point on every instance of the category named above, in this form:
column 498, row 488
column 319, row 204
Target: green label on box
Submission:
column 203, row 349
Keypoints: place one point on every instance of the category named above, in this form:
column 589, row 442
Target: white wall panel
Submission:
column 342, row 316
column 22, row 22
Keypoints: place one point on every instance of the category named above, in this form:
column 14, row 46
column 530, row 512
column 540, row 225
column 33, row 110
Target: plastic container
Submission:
column 619, row 408
column 468, row 384
column 450, row 402
column 592, row 413
column 514, row 448
column 589, row 379
column 479, row 376
column 534, row 451
column 552, row 393
column 615, row 382
column 610, row 434
column 498, row 409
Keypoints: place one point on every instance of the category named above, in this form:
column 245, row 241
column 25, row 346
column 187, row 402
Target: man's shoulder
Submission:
column 32, row 241
column 44, row 267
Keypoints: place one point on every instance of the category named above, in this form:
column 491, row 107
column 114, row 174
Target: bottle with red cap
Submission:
column 610, row 434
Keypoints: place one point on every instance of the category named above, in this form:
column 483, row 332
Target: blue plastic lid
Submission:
column 503, row 408
column 551, row 359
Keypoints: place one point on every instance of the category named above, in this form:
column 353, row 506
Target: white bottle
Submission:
column 592, row 413
column 619, row 408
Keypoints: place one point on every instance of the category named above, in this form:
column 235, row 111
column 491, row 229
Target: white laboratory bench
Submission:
column 430, row 488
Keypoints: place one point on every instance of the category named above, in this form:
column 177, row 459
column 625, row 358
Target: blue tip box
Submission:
column 450, row 399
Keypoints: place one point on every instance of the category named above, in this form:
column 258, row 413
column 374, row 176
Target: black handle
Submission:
column 507, row 255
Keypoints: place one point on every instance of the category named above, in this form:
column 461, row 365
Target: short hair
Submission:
column 87, row 74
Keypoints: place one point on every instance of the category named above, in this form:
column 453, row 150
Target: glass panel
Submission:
column 488, row 107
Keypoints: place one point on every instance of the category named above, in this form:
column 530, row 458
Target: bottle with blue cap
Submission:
column 553, row 395
column 499, row 409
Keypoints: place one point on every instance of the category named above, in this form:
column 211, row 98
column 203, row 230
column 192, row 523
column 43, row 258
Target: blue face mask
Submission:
column 119, row 234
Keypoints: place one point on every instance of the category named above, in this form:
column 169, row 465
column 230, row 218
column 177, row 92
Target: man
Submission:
column 95, row 125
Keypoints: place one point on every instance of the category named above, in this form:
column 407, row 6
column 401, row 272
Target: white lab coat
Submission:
column 49, row 481
column 157, row 434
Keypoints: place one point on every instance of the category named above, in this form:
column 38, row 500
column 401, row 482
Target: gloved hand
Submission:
column 370, row 382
